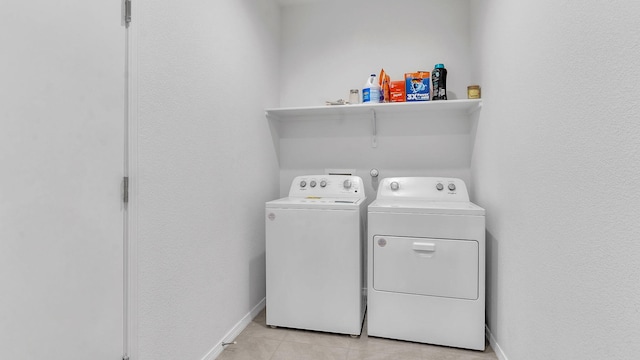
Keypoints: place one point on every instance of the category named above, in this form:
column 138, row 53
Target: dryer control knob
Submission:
column 303, row 183
column 452, row 187
column 323, row 183
column 439, row 187
column 312, row 183
column 395, row 186
column 347, row 184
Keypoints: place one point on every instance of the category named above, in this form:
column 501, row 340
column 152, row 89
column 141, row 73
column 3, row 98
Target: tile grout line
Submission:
column 276, row 350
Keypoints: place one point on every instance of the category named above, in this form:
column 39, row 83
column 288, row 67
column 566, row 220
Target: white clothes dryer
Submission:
column 315, row 255
column 426, row 250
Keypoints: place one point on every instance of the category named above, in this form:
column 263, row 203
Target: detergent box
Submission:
column 397, row 91
column 417, row 85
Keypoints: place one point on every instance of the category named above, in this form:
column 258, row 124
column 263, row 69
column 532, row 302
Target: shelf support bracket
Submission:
column 475, row 108
column 374, row 129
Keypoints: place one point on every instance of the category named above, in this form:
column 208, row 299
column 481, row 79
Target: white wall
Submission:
column 206, row 166
column 556, row 165
column 329, row 47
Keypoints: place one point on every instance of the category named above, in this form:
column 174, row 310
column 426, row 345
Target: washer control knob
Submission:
column 303, row 183
column 439, row 186
column 323, row 183
column 452, row 186
column 312, row 183
column 347, row 184
column 395, row 186
column 374, row 172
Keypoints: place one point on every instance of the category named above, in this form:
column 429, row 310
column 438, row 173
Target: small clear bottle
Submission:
column 354, row 96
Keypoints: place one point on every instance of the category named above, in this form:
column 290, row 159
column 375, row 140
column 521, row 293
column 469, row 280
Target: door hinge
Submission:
column 127, row 12
column 125, row 189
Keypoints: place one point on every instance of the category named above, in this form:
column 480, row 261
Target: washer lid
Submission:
column 425, row 207
column 316, row 202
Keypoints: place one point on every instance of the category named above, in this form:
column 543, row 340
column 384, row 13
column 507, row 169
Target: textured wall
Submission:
column 329, row 47
column 206, row 167
column 556, row 165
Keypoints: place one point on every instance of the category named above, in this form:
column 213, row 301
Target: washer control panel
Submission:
column 327, row 186
column 423, row 188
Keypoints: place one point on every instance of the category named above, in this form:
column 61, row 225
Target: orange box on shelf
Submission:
column 397, row 91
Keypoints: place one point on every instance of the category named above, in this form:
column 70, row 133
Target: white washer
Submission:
column 315, row 255
column 426, row 249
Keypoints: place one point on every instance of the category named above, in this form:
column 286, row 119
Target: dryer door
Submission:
column 426, row 266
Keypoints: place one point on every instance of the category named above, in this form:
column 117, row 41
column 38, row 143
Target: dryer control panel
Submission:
column 423, row 188
column 335, row 186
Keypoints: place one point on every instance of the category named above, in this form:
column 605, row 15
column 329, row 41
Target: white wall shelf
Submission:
column 299, row 113
column 289, row 116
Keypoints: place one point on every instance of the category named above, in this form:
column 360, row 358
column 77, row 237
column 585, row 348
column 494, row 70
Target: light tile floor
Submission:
column 260, row 342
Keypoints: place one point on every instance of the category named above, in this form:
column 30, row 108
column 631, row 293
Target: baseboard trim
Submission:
column 494, row 344
column 235, row 331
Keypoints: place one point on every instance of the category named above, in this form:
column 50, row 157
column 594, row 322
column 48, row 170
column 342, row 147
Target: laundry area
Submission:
column 320, row 179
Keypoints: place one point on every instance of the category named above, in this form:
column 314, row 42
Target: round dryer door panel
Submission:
column 426, row 266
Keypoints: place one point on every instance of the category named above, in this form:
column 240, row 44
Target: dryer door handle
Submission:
column 421, row 246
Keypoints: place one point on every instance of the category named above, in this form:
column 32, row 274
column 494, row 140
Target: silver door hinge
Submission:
column 127, row 12
column 125, row 190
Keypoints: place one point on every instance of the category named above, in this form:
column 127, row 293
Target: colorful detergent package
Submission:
column 417, row 85
column 384, row 80
column 397, row 91
column 414, row 87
